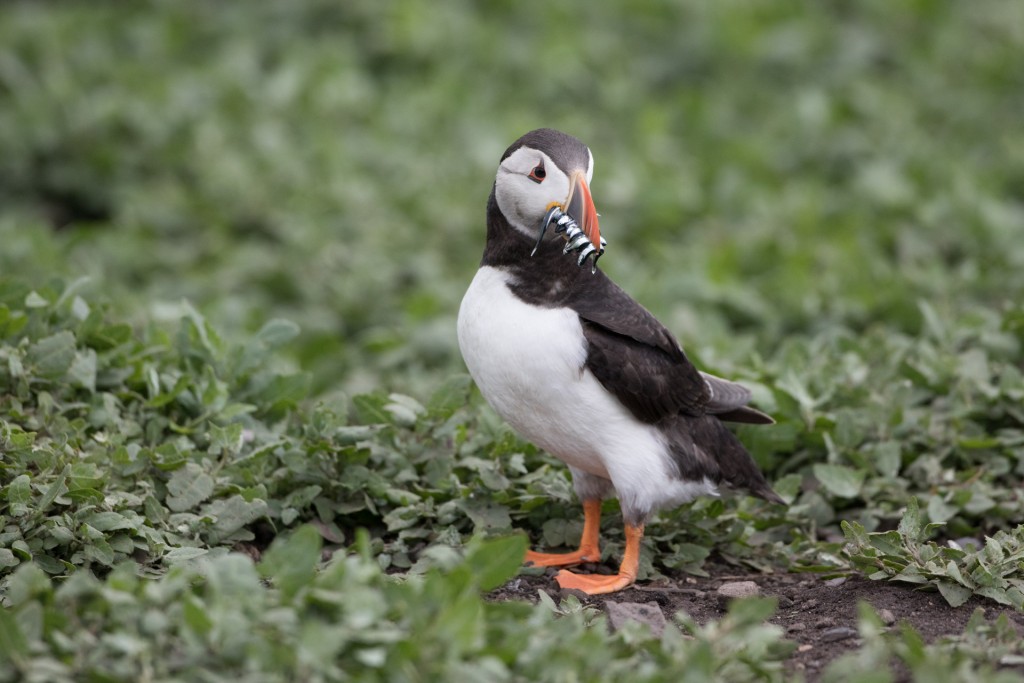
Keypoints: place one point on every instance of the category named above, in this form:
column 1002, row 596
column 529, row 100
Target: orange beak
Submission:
column 580, row 205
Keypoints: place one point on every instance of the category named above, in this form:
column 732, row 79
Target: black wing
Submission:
column 634, row 356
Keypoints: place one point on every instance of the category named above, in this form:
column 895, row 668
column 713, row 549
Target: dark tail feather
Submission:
column 747, row 415
column 704, row 446
column 765, row 492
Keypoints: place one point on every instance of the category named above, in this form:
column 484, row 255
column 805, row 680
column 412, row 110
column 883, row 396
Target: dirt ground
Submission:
column 819, row 615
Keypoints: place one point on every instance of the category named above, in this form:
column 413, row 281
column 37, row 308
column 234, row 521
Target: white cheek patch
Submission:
column 523, row 201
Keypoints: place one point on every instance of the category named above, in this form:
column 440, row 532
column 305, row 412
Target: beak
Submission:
column 580, row 205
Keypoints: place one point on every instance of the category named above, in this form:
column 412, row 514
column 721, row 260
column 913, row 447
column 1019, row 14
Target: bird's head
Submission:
column 542, row 170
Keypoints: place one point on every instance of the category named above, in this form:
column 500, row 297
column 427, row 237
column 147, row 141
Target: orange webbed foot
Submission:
column 594, row 584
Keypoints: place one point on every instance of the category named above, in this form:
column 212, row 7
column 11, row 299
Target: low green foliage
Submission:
column 349, row 621
column 118, row 445
column 906, row 554
column 978, row 654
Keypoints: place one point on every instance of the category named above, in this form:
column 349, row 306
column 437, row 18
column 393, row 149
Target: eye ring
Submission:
column 537, row 173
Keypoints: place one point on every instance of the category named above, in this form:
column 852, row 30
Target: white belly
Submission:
column 529, row 362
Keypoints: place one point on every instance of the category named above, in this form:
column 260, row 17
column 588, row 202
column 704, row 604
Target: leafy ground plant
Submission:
column 889, row 655
column 283, row 620
column 906, row 554
column 112, row 441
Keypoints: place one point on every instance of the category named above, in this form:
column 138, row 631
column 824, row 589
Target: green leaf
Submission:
column 232, row 514
column 910, row 523
column 939, row 511
column 7, row 559
column 194, row 613
column 79, row 308
column 35, row 300
column 404, row 410
column 188, row 487
column 82, row 372
column 993, row 550
column 28, row 582
column 889, row 542
column 291, row 562
column 52, row 356
column 854, row 532
column 19, row 495
column 839, row 480
column 954, row 593
column 286, row 389
column 486, row 514
column 56, row 488
column 450, row 396
column 953, row 572
column 85, row 475
column 225, row 439
column 99, row 550
column 109, row 521
column 995, row 593
column 11, row 322
column 495, row 561
column 179, row 555
column 370, row 409
column 13, row 645
column 277, row 332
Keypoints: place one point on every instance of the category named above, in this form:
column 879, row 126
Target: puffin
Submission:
column 580, row 369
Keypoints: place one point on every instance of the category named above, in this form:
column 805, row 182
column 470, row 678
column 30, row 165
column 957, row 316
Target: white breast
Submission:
column 529, row 362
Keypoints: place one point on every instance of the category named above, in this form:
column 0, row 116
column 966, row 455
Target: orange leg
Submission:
column 588, row 552
column 593, row 584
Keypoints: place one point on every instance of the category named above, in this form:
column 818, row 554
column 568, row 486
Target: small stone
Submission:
column 620, row 613
column 813, row 602
column 785, row 601
column 887, row 617
column 737, row 589
column 798, row 626
column 838, row 581
column 838, row 633
column 805, row 648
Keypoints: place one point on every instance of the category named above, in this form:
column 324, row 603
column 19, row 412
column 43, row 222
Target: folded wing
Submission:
column 639, row 361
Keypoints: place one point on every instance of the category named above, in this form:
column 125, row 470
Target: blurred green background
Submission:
column 765, row 171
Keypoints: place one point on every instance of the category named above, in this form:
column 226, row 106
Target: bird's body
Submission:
column 585, row 372
column 530, row 363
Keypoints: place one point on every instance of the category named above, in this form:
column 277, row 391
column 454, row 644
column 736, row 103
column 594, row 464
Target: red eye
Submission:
column 538, row 174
